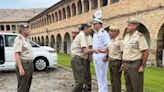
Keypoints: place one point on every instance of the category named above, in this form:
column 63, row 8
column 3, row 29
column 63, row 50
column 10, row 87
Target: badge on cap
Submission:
column 98, row 14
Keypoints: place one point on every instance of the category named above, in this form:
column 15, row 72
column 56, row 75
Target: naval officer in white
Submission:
column 100, row 40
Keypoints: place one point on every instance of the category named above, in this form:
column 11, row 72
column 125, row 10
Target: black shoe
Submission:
column 88, row 88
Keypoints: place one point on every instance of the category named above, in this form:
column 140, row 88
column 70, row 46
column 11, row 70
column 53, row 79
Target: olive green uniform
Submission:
column 88, row 71
column 115, row 62
column 133, row 45
column 78, row 61
column 22, row 46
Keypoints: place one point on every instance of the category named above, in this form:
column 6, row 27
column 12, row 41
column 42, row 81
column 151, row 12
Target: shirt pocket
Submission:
column 134, row 46
column 116, row 46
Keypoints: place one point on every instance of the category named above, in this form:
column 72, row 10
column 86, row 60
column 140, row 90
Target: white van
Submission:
column 43, row 56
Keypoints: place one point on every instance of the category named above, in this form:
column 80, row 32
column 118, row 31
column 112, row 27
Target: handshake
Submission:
column 98, row 50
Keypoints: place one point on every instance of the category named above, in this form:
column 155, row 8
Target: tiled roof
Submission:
column 8, row 15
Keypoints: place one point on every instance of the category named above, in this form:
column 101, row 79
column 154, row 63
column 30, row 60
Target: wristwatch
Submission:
column 143, row 64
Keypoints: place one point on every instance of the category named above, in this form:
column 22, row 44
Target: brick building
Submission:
column 53, row 26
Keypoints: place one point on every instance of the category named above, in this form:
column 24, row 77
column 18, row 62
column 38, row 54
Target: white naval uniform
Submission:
column 101, row 40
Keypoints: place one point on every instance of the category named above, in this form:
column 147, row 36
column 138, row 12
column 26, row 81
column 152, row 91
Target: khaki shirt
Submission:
column 133, row 46
column 23, row 46
column 78, row 43
column 89, row 40
column 115, row 48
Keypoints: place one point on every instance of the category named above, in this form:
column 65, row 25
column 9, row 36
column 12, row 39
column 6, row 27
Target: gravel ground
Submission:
column 53, row 80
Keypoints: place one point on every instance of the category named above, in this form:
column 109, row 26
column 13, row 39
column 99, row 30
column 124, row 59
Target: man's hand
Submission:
column 96, row 50
column 141, row 69
column 21, row 72
column 121, row 68
column 18, row 62
column 105, row 59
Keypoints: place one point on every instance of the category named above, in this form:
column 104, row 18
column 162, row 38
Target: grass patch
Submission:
column 153, row 77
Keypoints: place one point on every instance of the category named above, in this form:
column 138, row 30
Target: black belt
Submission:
column 111, row 59
column 76, row 56
column 23, row 60
column 133, row 61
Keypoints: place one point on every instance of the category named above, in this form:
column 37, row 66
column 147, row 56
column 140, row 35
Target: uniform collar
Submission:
column 134, row 34
column 83, row 33
column 23, row 37
column 115, row 38
column 99, row 31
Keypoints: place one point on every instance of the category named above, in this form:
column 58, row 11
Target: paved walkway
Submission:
column 57, row 80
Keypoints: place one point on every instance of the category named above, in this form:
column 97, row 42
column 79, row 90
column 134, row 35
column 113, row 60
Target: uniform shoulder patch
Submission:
column 19, row 37
column 120, row 38
column 103, row 30
column 140, row 34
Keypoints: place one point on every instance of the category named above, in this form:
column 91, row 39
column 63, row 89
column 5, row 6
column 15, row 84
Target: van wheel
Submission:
column 40, row 64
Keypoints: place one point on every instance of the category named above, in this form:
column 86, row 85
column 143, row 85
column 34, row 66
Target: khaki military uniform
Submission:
column 133, row 45
column 78, row 61
column 23, row 46
column 115, row 62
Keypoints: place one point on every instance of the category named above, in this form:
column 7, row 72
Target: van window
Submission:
column 2, row 51
column 9, row 39
column 33, row 44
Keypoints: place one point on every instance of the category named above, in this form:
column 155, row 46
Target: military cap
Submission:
column 114, row 29
column 22, row 27
column 107, row 28
column 133, row 21
column 97, row 20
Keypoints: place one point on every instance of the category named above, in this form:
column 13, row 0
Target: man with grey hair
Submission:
column 135, row 54
column 23, row 57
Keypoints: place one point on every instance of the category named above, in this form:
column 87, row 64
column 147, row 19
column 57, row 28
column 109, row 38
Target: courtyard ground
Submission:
column 153, row 78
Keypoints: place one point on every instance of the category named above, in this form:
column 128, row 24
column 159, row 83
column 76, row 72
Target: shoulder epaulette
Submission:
column 140, row 34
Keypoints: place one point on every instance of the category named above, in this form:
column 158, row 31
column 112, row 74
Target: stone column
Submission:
column 152, row 61
column 82, row 2
column 76, row 9
column 62, row 47
column 90, row 5
column 5, row 28
column 99, row 3
column 109, row 1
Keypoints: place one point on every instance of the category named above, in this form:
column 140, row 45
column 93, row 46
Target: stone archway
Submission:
column 47, row 41
column 32, row 39
column 67, row 43
column 52, row 41
column 58, row 43
column 160, row 47
column 42, row 41
column 39, row 40
column 13, row 28
column 142, row 28
column 35, row 39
